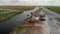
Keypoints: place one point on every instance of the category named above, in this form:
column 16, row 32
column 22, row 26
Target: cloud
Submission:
column 30, row 2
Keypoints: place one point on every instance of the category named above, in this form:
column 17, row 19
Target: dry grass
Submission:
column 18, row 7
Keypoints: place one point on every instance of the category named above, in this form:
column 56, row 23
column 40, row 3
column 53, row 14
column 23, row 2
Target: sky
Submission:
column 30, row 2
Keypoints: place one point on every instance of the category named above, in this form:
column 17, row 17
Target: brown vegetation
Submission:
column 18, row 7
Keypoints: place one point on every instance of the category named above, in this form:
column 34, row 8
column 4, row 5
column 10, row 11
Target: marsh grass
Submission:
column 53, row 8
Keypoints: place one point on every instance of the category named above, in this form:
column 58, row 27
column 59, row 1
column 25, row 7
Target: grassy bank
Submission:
column 22, row 29
column 5, row 14
column 17, row 29
column 53, row 8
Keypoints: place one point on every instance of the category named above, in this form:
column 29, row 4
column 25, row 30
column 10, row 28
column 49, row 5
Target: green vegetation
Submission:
column 5, row 14
column 22, row 29
column 19, row 28
column 54, row 8
column 18, row 7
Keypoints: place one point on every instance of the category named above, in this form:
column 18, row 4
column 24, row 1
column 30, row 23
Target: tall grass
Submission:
column 18, row 7
column 53, row 8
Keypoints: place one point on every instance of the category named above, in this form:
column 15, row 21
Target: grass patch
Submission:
column 19, row 28
column 18, row 7
column 4, row 16
column 23, row 29
column 53, row 8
